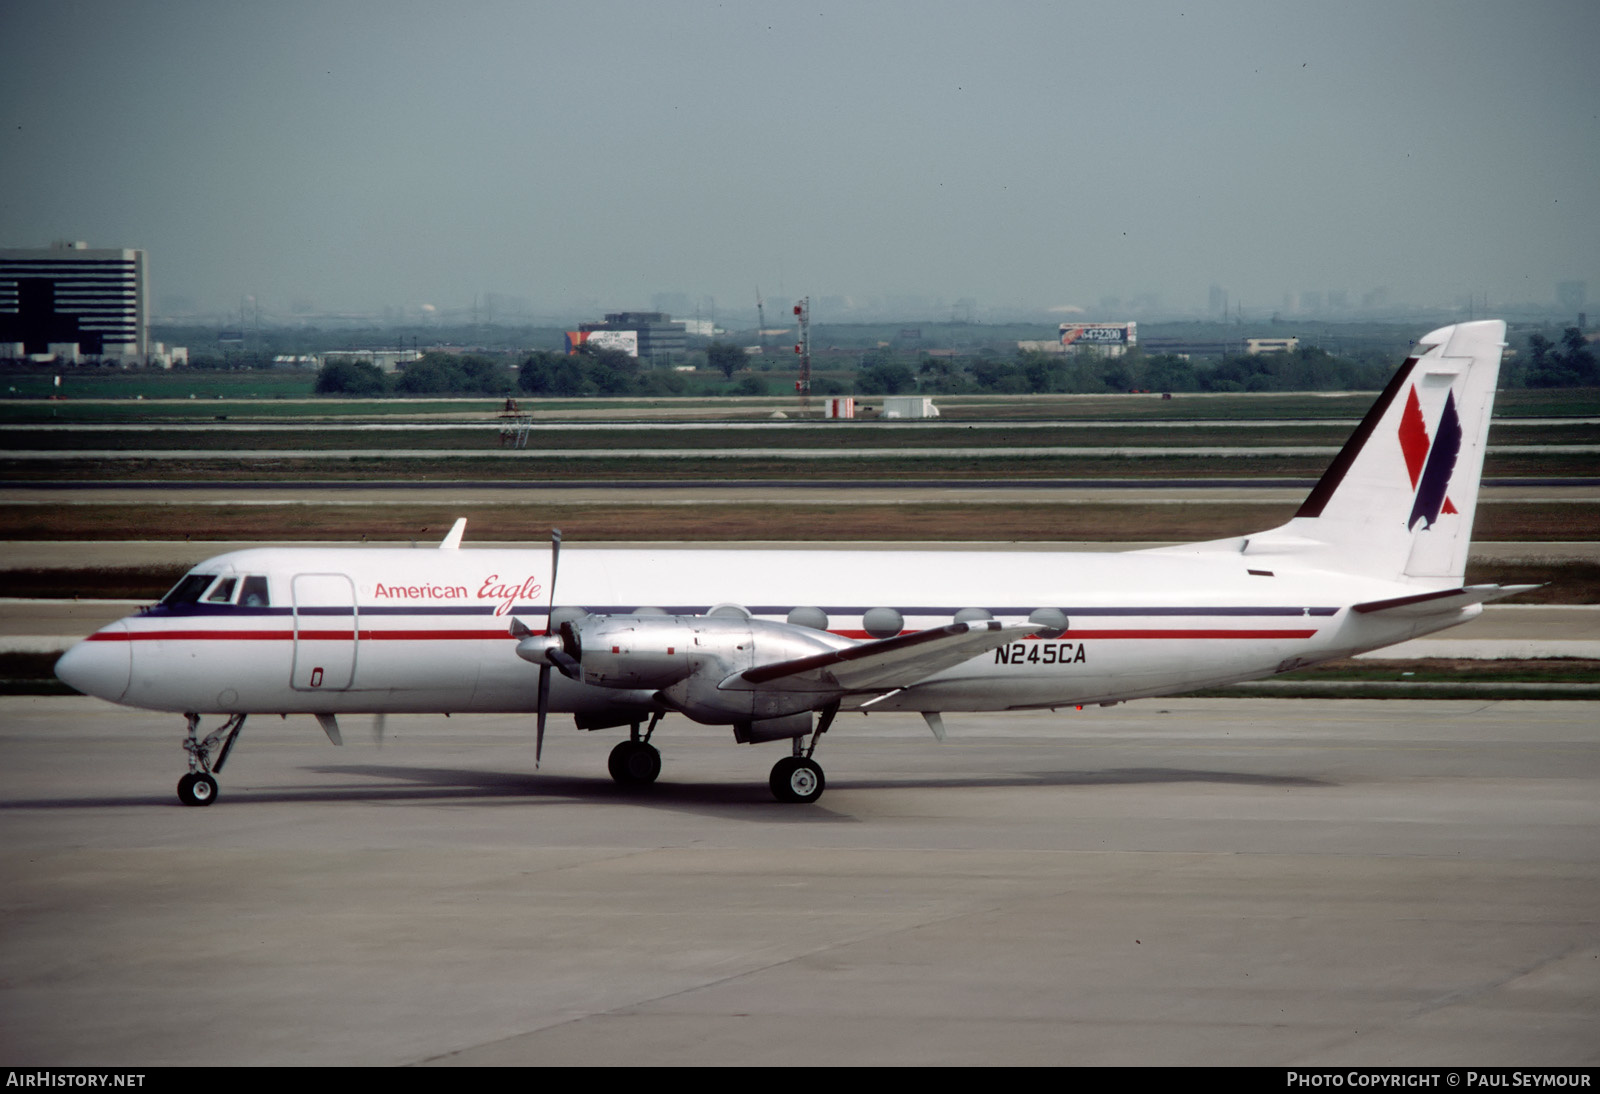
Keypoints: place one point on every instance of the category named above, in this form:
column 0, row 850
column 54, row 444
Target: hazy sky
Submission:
column 345, row 155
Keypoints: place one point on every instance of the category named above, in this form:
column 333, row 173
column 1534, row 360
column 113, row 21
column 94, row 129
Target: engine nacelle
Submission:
column 635, row 651
column 686, row 657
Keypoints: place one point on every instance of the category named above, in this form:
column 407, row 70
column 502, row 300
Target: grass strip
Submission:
column 510, row 465
column 911, row 521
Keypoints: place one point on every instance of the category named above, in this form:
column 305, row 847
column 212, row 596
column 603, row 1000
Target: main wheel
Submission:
column 797, row 779
column 634, row 763
column 197, row 789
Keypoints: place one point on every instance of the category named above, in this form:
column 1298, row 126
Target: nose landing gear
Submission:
column 199, row 787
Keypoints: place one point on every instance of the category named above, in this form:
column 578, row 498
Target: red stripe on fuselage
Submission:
column 304, row 636
column 475, row 636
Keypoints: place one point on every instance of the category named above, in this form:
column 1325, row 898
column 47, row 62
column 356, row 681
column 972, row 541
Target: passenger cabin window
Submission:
column 188, row 590
column 254, row 594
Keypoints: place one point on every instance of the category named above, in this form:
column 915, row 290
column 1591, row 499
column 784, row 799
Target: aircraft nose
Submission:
column 101, row 665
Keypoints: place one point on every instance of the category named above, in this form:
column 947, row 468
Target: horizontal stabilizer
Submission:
column 1441, row 601
column 893, row 662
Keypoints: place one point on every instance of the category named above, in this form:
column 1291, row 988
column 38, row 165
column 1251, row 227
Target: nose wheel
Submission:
column 199, row 787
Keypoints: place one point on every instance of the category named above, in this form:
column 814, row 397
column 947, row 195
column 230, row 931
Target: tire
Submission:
column 197, row 789
column 797, row 780
column 634, row 763
column 616, row 762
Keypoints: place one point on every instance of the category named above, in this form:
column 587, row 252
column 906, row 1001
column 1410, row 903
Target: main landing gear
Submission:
column 798, row 778
column 636, row 762
column 199, row 787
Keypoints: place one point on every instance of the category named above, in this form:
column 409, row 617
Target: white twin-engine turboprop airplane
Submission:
column 775, row 644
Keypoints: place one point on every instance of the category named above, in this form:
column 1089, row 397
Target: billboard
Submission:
column 625, row 340
column 1099, row 334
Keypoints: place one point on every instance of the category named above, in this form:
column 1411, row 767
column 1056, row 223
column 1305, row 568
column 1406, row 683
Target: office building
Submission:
column 72, row 301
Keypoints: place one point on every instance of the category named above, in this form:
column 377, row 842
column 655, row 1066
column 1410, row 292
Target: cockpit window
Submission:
column 188, row 590
column 254, row 594
column 223, row 592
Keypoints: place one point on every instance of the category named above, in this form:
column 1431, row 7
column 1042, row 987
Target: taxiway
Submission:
column 1166, row 882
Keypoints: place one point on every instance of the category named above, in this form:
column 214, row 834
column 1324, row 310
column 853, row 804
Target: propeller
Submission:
column 544, row 667
column 561, row 655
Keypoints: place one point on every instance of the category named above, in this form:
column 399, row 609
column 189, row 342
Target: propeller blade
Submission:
column 544, row 707
column 565, row 662
column 379, row 724
column 555, row 562
column 570, row 646
column 544, row 669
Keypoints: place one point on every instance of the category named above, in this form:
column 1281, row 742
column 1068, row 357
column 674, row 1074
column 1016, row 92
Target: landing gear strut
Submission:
column 798, row 778
column 199, row 787
column 636, row 762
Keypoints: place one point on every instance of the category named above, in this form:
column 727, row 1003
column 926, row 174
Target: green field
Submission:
column 226, row 436
column 107, row 395
column 376, row 466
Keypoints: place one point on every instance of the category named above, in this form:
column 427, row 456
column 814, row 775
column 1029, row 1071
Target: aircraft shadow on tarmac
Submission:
column 453, row 783
column 389, row 783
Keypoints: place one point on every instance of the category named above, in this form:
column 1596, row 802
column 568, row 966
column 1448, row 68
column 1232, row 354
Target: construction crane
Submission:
column 761, row 323
column 802, row 312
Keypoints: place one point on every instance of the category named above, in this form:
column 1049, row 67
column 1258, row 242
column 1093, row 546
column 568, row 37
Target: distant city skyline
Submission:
column 918, row 160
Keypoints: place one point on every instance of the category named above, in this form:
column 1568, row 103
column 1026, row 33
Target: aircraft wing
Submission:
column 890, row 663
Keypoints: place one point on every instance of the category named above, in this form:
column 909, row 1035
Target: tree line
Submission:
column 1033, row 372
column 589, row 372
column 1569, row 362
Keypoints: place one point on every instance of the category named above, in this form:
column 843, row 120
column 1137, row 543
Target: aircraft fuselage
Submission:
column 407, row 630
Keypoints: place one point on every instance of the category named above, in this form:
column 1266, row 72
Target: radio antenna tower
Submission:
column 761, row 323
column 803, row 348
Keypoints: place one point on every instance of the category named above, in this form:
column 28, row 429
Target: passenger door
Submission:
column 327, row 628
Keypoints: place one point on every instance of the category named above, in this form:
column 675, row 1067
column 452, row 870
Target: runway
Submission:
column 667, row 492
column 1166, row 882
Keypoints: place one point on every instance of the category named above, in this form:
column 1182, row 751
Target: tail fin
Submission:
column 1399, row 499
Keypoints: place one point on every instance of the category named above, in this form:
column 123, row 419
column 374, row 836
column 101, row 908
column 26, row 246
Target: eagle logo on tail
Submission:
column 1430, row 462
